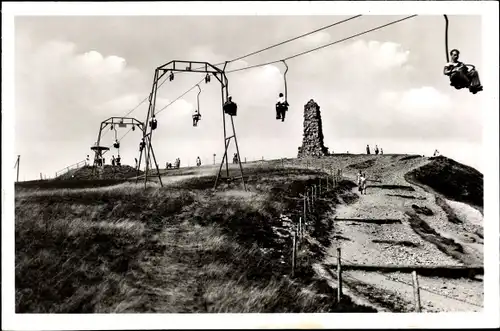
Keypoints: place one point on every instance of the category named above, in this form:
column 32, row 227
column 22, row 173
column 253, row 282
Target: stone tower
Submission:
column 312, row 140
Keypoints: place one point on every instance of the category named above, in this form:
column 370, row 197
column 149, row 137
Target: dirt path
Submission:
column 364, row 238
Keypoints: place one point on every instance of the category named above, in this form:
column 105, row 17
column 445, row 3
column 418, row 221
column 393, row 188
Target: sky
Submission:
column 69, row 73
column 383, row 88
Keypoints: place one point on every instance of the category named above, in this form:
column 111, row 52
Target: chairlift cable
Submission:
column 323, row 46
column 258, row 51
column 295, row 38
column 144, row 100
column 183, row 94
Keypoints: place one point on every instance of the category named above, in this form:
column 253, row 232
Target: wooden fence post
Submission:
column 416, row 291
column 339, row 275
column 294, row 244
column 309, row 200
column 305, row 212
column 312, row 196
column 300, row 227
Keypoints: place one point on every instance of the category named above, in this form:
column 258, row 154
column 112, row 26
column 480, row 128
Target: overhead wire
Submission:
column 287, row 41
column 323, row 46
column 260, row 51
column 295, row 38
column 287, row 58
column 146, row 98
column 183, row 94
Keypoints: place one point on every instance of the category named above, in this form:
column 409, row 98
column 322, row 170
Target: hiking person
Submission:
column 376, row 149
column 368, row 149
column 381, row 151
column 198, row 161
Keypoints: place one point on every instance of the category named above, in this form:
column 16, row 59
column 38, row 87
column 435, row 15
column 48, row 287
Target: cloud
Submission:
column 120, row 105
column 374, row 54
column 69, row 82
column 62, row 94
column 422, row 113
column 360, row 64
column 179, row 108
column 422, row 102
column 316, row 39
column 95, row 65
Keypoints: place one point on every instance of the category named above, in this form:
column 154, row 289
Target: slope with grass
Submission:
column 180, row 248
column 112, row 246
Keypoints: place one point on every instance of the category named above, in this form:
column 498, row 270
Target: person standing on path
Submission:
column 358, row 180
column 363, row 184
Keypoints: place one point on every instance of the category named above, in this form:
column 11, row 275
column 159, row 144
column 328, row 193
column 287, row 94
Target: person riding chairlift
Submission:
column 153, row 123
column 196, row 117
column 230, row 107
column 460, row 75
column 281, row 107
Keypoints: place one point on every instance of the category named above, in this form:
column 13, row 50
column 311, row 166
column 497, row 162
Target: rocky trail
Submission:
column 397, row 227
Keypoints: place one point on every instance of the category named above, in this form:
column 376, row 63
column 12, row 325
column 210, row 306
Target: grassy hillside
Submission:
column 106, row 172
column 181, row 248
column 100, row 246
column 452, row 179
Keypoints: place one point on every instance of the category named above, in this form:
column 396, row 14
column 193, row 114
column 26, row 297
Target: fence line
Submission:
column 310, row 196
column 71, row 167
column 420, row 287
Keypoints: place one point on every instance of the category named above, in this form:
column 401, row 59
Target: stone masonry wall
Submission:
column 312, row 139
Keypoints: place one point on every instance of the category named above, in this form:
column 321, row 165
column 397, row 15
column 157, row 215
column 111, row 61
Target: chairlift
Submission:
column 282, row 104
column 230, row 107
column 153, row 123
column 461, row 75
column 116, row 143
column 197, row 114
